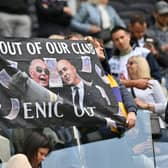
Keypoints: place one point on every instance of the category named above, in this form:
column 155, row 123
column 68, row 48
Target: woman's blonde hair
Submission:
column 143, row 69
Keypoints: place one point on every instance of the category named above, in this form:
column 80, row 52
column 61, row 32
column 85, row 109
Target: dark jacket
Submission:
column 92, row 98
column 14, row 6
column 52, row 19
column 155, row 72
column 161, row 57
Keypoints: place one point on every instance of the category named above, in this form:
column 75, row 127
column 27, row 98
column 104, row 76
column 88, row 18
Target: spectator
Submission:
column 94, row 17
column 153, row 98
column 74, row 36
column 160, row 29
column 56, row 36
column 35, row 149
column 139, row 37
column 121, row 38
column 125, row 96
column 14, row 18
column 54, row 17
column 138, row 27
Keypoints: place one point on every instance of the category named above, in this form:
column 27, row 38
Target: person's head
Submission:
column 68, row 72
column 99, row 1
column 74, row 36
column 103, row 2
column 138, row 68
column 98, row 45
column 36, row 148
column 121, row 38
column 137, row 26
column 56, row 37
column 161, row 13
column 39, row 72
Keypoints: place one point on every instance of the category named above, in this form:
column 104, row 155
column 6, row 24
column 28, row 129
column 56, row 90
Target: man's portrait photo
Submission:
column 83, row 95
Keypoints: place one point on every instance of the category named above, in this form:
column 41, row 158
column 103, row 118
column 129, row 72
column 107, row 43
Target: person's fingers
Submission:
column 149, row 85
column 130, row 123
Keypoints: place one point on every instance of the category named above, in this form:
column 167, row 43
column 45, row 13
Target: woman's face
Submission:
column 41, row 154
column 132, row 69
column 103, row 1
column 99, row 50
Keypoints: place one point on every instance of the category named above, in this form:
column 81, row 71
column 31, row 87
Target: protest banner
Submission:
column 53, row 82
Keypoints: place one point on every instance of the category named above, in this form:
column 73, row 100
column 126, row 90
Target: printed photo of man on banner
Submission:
column 54, row 82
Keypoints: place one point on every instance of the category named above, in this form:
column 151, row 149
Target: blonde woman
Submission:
column 152, row 98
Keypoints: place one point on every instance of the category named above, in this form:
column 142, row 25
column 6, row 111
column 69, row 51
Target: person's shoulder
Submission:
column 153, row 28
column 85, row 5
column 154, row 82
column 142, row 51
column 18, row 160
column 109, row 7
column 19, row 156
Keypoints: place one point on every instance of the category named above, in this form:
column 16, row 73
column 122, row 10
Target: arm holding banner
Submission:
column 124, row 98
column 130, row 105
